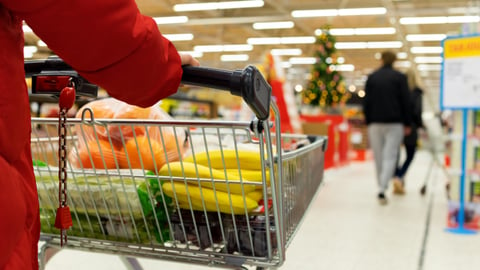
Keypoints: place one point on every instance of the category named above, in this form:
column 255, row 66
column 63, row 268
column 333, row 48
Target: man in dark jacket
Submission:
column 387, row 113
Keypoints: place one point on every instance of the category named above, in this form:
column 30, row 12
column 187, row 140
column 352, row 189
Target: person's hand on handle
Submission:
column 189, row 60
column 407, row 130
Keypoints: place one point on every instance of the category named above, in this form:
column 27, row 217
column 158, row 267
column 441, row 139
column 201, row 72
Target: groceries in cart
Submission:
column 132, row 180
column 129, row 145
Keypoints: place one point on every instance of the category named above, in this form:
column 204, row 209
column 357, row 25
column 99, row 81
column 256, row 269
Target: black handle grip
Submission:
column 247, row 83
column 52, row 63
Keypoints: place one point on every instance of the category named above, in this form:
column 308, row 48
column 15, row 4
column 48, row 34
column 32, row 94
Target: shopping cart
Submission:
column 218, row 216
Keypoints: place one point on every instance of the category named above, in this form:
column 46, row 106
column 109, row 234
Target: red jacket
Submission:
column 109, row 43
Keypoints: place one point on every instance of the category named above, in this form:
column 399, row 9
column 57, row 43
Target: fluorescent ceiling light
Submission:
column 40, row 43
column 286, row 51
column 297, row 40
column 428, row 59
column 402, row 64
column 237, row 47
column 234, row 57
column 302, row 60
column 27, row 29
column 314, row 13
column 273, row 25
column 463, row 19
column 28, row 51
column 402, row 55
column 362, row 11
column 171, row 20
column 338, row 12
column 178, row 37
column 426, row 37
column 339, row 32
column 369, row 45
column 223, row 48
column 351, row 45
column 344, row 67
column 425, row 67
column 420, row 50
column 281, row 40
column 359, row 31
column 439, row 20
column 264, row 41
column 218, row 5
column 195, row 54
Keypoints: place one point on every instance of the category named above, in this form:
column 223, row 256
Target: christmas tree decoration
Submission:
column 326, row 87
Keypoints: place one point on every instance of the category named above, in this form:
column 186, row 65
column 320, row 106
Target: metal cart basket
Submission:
column 234, row 194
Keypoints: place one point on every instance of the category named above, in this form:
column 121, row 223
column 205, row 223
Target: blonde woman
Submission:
column 410, row 141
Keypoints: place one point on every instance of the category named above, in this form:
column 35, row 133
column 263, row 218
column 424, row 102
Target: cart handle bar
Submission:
column 247, row 83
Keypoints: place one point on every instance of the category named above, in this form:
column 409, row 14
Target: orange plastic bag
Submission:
column 131, row 145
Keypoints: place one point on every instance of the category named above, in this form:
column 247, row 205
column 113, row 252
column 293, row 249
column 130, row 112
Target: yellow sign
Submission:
column 464, row 47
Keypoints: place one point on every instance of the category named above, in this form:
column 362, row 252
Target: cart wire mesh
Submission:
column 220, row 193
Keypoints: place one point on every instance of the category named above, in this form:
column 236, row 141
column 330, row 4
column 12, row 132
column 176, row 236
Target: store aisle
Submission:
column 347, row 229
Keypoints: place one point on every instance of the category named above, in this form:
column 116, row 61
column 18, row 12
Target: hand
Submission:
column 188, row 60
column 407, row 130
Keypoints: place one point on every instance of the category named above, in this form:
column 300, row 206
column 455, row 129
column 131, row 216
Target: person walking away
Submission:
column 387, row 111
column 109, row 43
column 410, row 141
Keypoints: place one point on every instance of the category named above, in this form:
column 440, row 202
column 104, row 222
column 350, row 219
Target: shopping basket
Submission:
column 235, row 195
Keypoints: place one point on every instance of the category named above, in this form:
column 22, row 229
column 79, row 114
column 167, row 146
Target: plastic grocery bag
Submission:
column 133, row 145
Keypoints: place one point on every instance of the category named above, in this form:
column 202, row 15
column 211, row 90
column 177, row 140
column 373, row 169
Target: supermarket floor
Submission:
column 346, row 228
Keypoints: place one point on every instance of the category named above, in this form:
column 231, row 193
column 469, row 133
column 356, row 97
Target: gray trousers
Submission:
column 385, row 141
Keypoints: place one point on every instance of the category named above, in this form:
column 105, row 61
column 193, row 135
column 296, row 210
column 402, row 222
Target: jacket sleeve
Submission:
column 109, row 43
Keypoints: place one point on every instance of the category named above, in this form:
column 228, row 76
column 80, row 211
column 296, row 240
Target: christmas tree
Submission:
column 326, row 87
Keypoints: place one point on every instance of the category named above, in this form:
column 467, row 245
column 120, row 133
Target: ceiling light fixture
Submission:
column 218, row 5
column 28, row 51
column 302, row 60
column 171, row 20
column 428, row 59
column 273, row 25
column 421, row 50
column 439, row 20
column 402, row 64
column 234, row 57
column 426, row 37
column 195, row 54
column 40, row 43
column 426, row 67
column 369, row 45
column 281, row 40
column 178, row 37
column 345, row 67
column 402, row 55
column 359, row 31
column 338, row 12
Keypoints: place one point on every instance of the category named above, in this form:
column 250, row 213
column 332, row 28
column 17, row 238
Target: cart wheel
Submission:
column 423, row 190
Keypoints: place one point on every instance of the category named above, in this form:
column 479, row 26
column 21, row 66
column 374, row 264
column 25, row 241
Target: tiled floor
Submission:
column 347, row 229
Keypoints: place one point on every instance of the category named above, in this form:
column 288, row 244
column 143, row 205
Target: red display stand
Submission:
column 338, row 133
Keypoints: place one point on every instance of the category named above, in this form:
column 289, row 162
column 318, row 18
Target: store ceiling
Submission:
column 234, row 26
